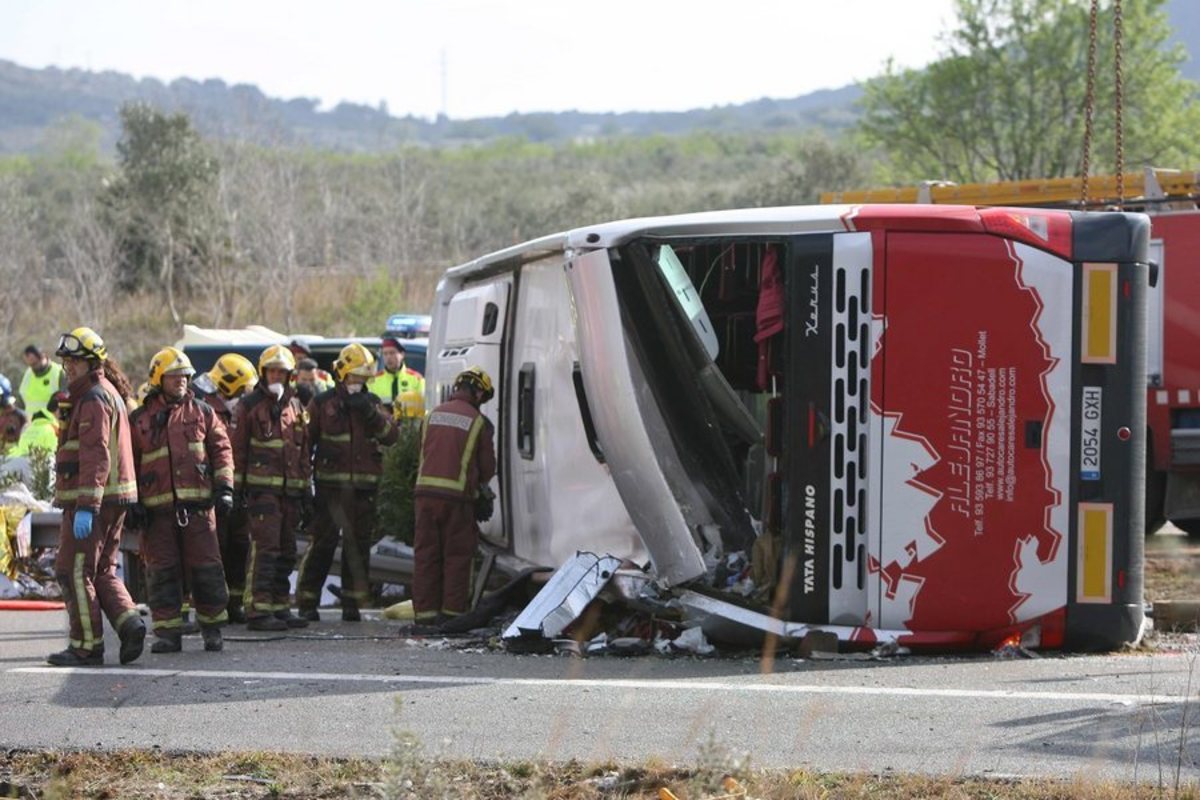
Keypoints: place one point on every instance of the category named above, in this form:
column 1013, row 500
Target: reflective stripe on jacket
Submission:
column 270, row 443
column 347, row 442
column 181, row 450
column 95, row 452
column 457, row 451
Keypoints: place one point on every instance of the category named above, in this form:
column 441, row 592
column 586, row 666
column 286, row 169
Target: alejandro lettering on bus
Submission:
column 961, row 416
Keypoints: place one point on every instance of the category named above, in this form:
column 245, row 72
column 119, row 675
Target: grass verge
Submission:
column 146, row 774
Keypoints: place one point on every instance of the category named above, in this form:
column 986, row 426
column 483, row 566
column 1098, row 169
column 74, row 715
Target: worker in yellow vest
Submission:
column 42, row 379
column 396, row 380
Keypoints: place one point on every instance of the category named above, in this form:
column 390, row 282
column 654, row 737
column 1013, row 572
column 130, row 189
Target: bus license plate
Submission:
column 1089, row 438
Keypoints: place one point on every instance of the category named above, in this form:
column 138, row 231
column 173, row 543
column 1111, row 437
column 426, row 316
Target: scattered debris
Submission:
column 563, row 599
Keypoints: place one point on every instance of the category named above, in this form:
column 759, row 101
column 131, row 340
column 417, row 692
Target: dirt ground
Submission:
column 1172, row 567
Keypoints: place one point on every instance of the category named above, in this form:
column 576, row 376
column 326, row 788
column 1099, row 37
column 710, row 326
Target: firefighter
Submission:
column 272, row 468
column 94, row 486
column 223, row 387
column 348, row 428
column 185, row 478
column 395, row 379
column 308, row 372
column 457, row 462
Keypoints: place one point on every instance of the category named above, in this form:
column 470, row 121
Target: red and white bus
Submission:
column 919, row 423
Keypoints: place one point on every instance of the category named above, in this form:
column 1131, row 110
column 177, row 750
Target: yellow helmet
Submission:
column 169, row 361
column 143, row 392
column 411, row 405
column 354, row 360
column 232, row 374
column 477, row 379
column 82, row 343
column 277, row 355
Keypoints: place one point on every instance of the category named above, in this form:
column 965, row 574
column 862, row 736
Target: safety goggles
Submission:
column 71, row 346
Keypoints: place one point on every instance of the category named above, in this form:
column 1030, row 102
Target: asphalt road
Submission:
column 348, row 689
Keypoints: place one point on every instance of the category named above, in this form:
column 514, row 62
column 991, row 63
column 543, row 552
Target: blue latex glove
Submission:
column 83, row 523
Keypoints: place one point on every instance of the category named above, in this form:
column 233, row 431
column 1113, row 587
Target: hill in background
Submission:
column 32, row 100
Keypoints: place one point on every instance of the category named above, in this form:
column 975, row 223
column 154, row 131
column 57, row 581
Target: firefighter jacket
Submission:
column 220, row 405
column 181, row 450
column 347, row 440
column 388, row 386
column 457, row 453
column 95, row 449
column 270, row 443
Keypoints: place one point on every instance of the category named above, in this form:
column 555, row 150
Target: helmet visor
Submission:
column 70, row 345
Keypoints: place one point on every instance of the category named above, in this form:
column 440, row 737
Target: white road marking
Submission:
column 697, row 685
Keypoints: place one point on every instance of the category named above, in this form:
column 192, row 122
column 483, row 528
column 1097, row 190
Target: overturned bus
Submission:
column 922, row 424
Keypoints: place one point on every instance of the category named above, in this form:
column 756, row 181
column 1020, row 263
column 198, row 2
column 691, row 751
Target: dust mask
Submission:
column 232, row 404
column 276, row 389
column 354, row 388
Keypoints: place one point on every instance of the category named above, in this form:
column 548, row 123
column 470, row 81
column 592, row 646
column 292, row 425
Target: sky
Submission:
column 473, row 58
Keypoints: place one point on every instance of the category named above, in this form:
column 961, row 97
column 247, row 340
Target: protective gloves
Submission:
column 224, row 501
column 83, row 523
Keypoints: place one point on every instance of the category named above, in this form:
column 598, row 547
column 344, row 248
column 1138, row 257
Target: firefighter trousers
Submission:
column 87, row 573
column 352, row 512
column 235, row 549
column 272, row 520
column 181, row 553
column 443, row 553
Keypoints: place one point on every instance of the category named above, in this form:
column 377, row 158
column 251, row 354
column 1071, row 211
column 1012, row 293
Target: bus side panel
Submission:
column 976, row 433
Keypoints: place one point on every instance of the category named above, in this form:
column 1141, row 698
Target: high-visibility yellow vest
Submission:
column 391, row 386
column 36, row 390
column 41, row 433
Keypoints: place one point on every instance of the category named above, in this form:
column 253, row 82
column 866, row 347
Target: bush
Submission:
column 396, row 515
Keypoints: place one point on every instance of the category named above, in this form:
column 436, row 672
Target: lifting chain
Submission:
column 1118, row 98
column 1089, row 106
column 1089, row 103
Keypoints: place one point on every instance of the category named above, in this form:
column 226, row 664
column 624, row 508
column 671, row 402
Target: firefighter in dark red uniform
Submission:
column 272, row 472
column 223, row 387
column 94, row 485
column 185, row 480
column 348, row 427
column 457, row 461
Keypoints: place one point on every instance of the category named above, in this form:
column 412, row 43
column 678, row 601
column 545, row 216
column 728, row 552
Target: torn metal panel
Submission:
column 622, row 424
column 724, row 621
column 564, row 597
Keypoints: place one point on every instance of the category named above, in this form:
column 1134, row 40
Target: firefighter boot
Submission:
column 350, row 611
column 167, row 642
column 237, row 614
column 213, row 641
column 267, row 623
column 77, row 658
column 286, row 616
column 310, row 614
column 133, row 639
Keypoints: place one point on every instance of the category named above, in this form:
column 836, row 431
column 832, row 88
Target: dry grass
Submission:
column 1172, row 568
column 142, row 774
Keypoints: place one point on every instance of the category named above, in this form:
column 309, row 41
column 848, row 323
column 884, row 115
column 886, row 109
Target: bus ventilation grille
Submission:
column 850, row 402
